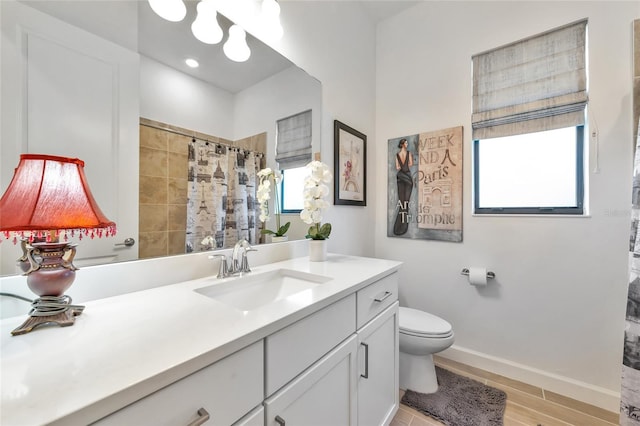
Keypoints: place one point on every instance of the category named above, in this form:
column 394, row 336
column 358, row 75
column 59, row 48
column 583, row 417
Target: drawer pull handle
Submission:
column 381, row 299
column 366, row 361
column 203, row 416
column 280, row 421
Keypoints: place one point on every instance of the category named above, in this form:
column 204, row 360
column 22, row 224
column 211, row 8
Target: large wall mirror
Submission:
column 106, row 81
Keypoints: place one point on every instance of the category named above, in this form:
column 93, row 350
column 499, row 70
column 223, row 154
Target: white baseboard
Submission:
column 581, row 391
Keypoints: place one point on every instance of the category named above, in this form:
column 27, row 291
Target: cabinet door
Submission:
column 322, row 395
column 378, row 369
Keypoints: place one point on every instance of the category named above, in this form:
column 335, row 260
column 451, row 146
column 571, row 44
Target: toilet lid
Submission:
column 420, row 323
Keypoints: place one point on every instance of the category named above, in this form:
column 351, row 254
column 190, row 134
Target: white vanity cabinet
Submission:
column 378, row 346
column 220, row 394
column 354, row 384
column 326, row 357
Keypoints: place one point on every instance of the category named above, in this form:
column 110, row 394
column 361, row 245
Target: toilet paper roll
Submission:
column 478, row 276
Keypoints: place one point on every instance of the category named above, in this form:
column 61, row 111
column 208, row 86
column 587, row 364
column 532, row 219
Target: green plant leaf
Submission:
column 283, row 229
column 325, row 230
column 266, row 232
column 321, row 233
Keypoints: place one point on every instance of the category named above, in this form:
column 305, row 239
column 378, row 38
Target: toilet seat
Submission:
column 414, row 322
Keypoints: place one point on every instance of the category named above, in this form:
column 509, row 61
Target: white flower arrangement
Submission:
column 269, row 178
column 208, row 242
column 315, row 189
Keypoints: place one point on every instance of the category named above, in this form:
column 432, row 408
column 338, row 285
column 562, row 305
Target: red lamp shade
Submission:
column 49, row 193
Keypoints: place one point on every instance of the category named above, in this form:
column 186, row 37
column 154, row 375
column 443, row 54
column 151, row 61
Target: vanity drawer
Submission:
column 376, row 297
column 293, row 349
column 227, row 390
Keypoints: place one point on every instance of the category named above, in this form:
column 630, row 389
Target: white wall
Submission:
column 554, row 314
column 334, row 41
column 176, row 98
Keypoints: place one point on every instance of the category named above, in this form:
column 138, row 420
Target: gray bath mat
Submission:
column 460, row 401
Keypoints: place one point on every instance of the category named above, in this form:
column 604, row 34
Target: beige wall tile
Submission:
column 177, row 191
column 153, row 217
column 178, row 165
column 153, row 138
column 178, row 143
column 177, row 240
column 153, row 162
column 177, row 217
column 152, row 244
column 153, row 190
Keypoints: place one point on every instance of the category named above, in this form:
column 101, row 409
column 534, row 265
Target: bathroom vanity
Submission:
column 293, row 342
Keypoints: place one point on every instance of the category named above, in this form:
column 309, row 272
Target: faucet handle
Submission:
column 245, row 261
column 223, row 270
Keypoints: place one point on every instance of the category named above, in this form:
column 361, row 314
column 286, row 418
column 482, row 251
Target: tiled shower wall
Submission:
column 163, row 184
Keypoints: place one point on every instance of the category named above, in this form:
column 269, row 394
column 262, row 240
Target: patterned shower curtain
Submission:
column 221, row 206
column 630, row 393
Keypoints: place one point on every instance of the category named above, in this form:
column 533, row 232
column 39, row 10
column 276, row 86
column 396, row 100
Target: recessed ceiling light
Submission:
column 192, row 63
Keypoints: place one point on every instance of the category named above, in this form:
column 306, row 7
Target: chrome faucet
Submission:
column 239, row 261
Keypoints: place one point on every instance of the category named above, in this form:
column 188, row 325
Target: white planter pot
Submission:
column 317, row 250
column 282, row 239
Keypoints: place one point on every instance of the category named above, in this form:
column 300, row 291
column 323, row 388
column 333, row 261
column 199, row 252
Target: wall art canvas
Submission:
column 350, row 165
column 425, row 185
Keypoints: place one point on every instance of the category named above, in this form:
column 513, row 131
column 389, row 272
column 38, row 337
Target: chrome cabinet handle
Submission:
column 380, row 299
column 203, row 416
column 280, row 421
column 366, row 361
column 128, row 242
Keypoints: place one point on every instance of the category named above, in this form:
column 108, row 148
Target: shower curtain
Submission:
column 630, row 392
column 221, row 206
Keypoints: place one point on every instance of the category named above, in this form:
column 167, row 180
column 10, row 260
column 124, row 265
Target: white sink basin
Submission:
column 254, row 291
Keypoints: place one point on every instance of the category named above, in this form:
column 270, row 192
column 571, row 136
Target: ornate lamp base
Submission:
column 50, row 273
column 63, row 319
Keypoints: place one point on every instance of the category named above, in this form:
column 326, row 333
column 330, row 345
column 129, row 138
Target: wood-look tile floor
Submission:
column 526, row 404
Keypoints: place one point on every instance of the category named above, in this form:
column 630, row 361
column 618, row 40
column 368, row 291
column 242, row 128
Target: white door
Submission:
column 68, row 92
column 378, row 397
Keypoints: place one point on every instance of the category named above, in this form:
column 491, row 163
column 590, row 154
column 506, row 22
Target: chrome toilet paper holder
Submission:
column 490, row 275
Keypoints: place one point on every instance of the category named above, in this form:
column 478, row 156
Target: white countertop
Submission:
column 124, row 347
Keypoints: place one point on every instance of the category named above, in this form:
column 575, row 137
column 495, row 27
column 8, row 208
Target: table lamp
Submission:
column 47, row 200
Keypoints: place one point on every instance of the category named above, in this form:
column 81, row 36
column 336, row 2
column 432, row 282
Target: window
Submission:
column 293, row 152
column 529, row 107
column 534, row 173
column 291, row 189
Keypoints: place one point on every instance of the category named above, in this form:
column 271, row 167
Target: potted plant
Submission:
column 314, row 192
column 270, row 178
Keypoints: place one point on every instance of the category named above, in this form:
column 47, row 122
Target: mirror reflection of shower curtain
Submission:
column 221, row 207
column 630, row 392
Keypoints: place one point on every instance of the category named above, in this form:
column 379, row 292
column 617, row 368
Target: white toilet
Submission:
column 421, row 336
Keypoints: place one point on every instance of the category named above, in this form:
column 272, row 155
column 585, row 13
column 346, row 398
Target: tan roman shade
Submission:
column 293, row 141
column 532, row 85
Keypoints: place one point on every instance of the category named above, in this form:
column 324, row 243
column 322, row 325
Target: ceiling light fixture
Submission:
column 236, row 47
column 205, row 27
column 191, row 63
column 270, row 23
column 171, row 10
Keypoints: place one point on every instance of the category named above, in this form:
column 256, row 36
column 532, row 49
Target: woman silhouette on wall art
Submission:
column 404, row 160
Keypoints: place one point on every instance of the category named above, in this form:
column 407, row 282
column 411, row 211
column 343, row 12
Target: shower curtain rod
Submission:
column 194, row 136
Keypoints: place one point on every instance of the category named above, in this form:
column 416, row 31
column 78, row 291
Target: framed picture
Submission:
column 350, row 166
